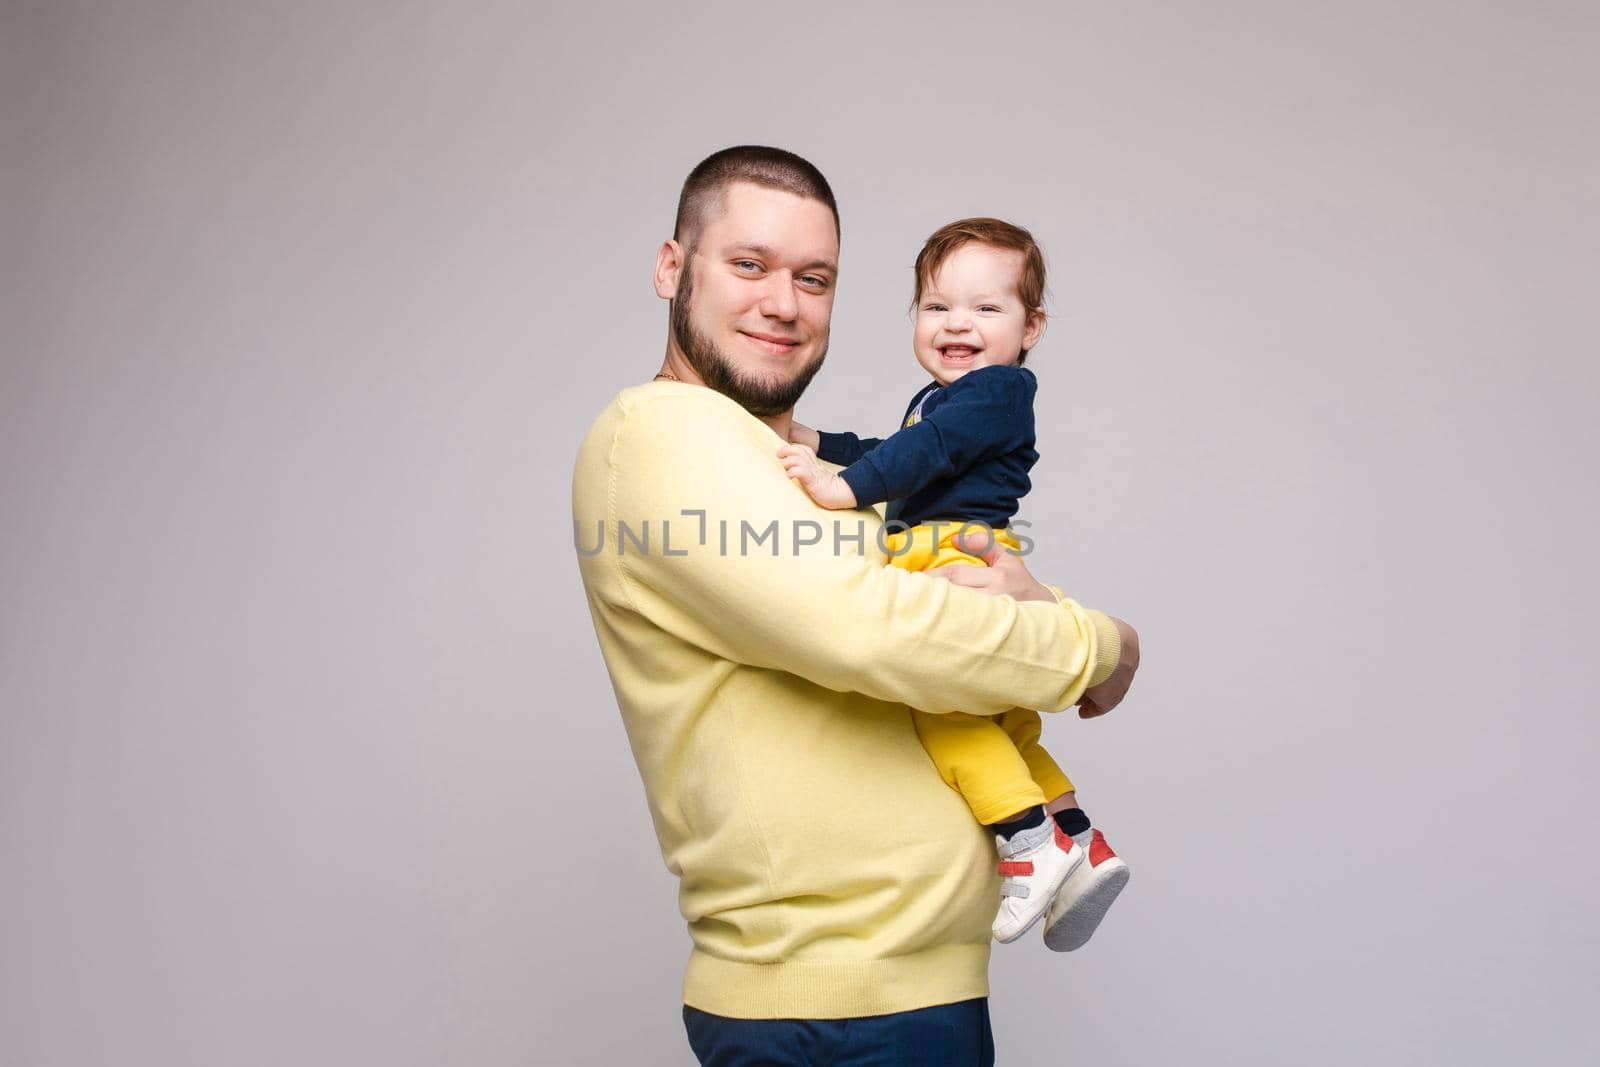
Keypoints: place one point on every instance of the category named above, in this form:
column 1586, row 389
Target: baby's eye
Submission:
column 988, row 307
column 933, row 307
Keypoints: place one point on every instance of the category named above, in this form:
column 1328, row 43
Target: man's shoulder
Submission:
column 669, row 433
column 668, row 399
column 686, row 412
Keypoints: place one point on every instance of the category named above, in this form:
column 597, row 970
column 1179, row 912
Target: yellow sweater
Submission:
column 825, row 869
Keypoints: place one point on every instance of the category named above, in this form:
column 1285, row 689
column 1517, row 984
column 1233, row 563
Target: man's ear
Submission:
column 1033, row 329
column 670, row 264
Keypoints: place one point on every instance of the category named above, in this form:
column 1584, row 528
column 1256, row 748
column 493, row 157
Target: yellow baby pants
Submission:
column 997, row 764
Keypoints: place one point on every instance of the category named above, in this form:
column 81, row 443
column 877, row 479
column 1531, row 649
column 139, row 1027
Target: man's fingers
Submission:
column 963, row 574
column 981, row 543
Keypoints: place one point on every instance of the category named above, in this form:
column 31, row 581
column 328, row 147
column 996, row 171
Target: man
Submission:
column 838, row 893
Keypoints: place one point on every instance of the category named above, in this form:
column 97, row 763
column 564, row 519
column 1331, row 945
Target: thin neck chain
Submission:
column 669, row 376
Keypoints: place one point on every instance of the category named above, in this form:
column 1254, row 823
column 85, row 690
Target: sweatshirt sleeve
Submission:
column 985, row 413
column 754, row 572
column 844, row 448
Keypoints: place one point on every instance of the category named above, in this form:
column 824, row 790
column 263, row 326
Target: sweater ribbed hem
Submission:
column 946, row 974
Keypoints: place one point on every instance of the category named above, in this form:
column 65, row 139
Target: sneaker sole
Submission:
column 1078, row 925
column 1031, row 923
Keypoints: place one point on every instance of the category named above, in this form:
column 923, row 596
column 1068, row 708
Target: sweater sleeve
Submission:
column 985, row 413
column 758, row 574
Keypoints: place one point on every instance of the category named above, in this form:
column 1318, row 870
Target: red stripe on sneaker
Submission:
column 1016, row 868
column 1099, row 851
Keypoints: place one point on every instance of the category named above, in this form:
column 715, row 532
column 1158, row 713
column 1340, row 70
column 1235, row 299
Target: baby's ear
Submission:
column 1033, row 330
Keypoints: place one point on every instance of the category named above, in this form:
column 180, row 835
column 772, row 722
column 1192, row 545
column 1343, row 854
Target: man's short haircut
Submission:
column 704, row 190
column 996, row 232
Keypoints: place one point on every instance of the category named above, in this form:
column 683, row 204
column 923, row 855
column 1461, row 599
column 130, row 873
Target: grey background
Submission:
column 307, row 752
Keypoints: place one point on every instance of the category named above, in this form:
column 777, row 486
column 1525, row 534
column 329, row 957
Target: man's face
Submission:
column 754, row 300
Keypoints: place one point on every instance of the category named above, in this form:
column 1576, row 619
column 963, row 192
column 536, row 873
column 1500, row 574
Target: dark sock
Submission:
column 1072, row 821
column 1026, row 821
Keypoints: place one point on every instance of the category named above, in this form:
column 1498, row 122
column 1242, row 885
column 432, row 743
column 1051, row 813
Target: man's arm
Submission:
column 818, row 610
column 1005, row 575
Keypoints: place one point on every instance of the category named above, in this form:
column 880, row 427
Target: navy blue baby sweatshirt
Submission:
column 965, row 456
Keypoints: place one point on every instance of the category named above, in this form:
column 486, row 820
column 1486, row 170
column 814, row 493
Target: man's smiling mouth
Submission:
column 772, row 343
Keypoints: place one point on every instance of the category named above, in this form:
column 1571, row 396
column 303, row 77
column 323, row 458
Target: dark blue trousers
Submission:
column 950, row 1035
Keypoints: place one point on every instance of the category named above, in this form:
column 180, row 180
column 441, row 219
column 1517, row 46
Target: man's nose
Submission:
column 777, row 297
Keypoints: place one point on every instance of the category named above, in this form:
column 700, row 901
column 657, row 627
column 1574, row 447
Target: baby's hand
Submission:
column 829, row 490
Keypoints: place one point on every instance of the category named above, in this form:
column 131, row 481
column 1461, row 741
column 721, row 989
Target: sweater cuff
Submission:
column 865, row 482
column 1108, row 649
column 1108, row 639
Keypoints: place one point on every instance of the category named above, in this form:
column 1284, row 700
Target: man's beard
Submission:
column 757, row 396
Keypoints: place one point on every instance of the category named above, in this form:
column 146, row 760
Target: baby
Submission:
column 961, row 456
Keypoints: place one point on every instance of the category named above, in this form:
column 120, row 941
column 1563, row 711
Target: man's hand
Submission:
column 801, row 434
column 826, row 488
column 1109, row 693
column 1005, row 574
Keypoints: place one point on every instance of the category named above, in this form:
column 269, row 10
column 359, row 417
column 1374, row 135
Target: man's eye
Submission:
column 814, row 281
column 746, row 264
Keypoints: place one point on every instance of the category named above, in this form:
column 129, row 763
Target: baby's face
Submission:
column 970, row 315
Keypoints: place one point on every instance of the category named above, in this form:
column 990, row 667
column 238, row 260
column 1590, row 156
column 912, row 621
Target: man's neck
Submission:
column 779, row 423
column 676, row 369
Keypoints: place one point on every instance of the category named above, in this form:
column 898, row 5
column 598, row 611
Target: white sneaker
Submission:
column 1035, row 864
column 1089, row 891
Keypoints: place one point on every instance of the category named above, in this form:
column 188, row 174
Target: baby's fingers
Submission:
column 801, row 474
